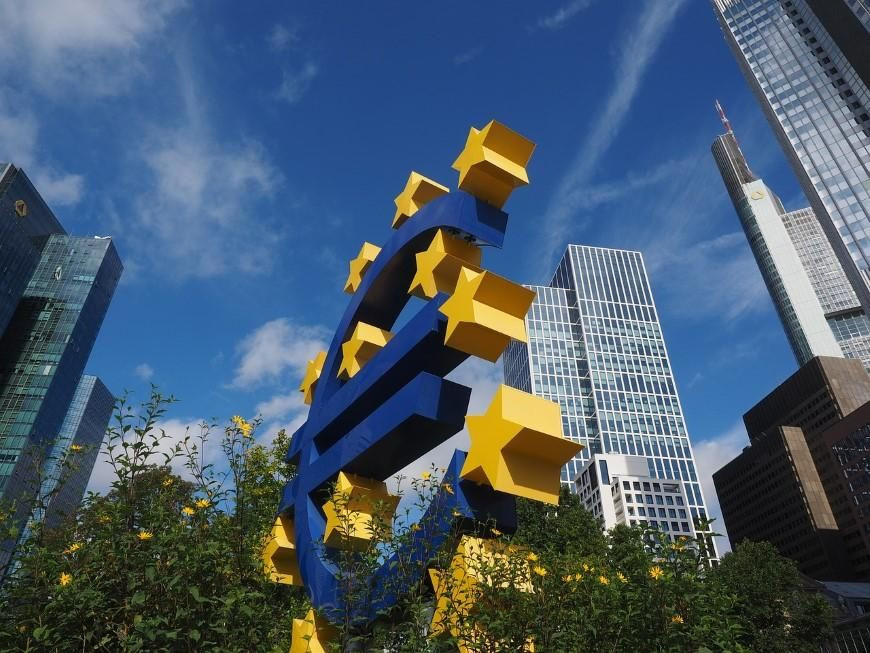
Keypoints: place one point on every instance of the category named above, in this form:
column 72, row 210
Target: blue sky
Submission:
column 240, row 156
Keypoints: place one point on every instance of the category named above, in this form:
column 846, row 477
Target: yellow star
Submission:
column 484, row 313
column 359, row 265
column 279, row 554
column 517, row 446
column 312, row 375
column 493, row 163
column 357, row 505
column 438, row 267
column 365, row 342
column 418, row 192
column 312, row 634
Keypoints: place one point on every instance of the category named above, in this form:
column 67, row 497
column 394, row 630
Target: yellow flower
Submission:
column 578, row 577
column 75, row 546
column 426, row 476
column 621, row 577
column 415, row 528
column 496, row 532
column 65, row 579
column 656, row 572
column 568, row 578
column 203, row 503
column 532, row 557
column 145, row 535
column 104, row 519
column 238, row 420
column 167, row 482
column 456, row 513
column 677, row 619
column 604, row 580
column 448, row 488
column 588, row 568
column 246, row 430
column 187, row 510
column 540, row 571
column 75, row 448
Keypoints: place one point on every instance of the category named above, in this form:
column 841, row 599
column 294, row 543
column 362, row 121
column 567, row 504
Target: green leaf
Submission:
column 194, row 635
column 138, row 598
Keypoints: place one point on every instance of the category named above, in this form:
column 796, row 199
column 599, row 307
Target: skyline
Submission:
column 219, row 306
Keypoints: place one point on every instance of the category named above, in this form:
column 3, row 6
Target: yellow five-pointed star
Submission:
column 438, row 266
column 279, row 554
column 359, row 265
column 312, row 634
column 312, row 375
column 418, row 191
column 517, row 446
column 358, row 507
column 365, row 342
column 484, row 313
column 493, row 163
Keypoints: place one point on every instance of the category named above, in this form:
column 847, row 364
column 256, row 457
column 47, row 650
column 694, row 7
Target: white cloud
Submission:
column 296, row 83
column 144, row 371
column 710, row 456
column 638, row 48
column 559, row 18
column 281, row 405
column 274, row 347
column 469, row 55
column 89, row 46
column 282, row 36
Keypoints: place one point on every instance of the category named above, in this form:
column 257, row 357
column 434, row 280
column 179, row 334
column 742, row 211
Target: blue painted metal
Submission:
column 394, row 410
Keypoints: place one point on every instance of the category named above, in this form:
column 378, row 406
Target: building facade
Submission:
column 595, row 346
column 814, row 299
column 819, row 108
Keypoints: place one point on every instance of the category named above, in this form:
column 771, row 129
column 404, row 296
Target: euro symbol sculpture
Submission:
column 379, row 399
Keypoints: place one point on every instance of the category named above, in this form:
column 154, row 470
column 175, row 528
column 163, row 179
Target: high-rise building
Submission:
column 815, row 301
column 596, row 347
column 772, row 492
column 809, row 83
column 25, row 221
column 43, row 352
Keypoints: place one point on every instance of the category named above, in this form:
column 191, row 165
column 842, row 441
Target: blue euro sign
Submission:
column 395, row 409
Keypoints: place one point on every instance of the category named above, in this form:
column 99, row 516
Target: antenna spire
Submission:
column 724, row 118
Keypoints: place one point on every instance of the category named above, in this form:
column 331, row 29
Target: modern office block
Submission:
column 43, row 353
column 25, row 222
column 812, row 86
column 595, row 346
column 617, row 489
column 816, row 303
column 849, row 440
column 772, row 492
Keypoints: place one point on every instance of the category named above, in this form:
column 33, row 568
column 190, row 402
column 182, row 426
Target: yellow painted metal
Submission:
column 418, row 192
column 475, row 562
column 439, row 265
column 517, row 446
column 21, row 208
column 493, row 163
column 484, row 313
column 312, row 375
column 312, row 634
column 365, row 341
column 279, row 554
column 359, row 266
column 355, row 504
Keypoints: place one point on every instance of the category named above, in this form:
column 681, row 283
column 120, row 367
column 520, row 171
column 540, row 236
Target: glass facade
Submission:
column 595, row 346
column 44, row 350
column 25, row 221
column 819, row 108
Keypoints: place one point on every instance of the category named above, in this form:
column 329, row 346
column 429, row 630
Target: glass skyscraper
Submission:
column 812, row 85
column 595, row 346
column 48, row 338
column 815, row 301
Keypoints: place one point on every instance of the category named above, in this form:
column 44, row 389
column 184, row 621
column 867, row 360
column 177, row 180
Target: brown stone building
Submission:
column 786, row 487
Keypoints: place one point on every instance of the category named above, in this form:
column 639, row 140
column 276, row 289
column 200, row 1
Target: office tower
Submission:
column 769, row 492
column 43, row 353
column 815, row 301
column 848, row 24
column 819, row 108
column 617, row 489
column 25, row 221
column 595, row 346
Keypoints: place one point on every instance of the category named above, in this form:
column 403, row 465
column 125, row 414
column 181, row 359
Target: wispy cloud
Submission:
column 283, row 36
column 271, row 349
column 638, row 48
column 85, row 46
column 467, row 56
column 559, row 18
column 295, row 83
column 144, row 371
column 710, row 456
